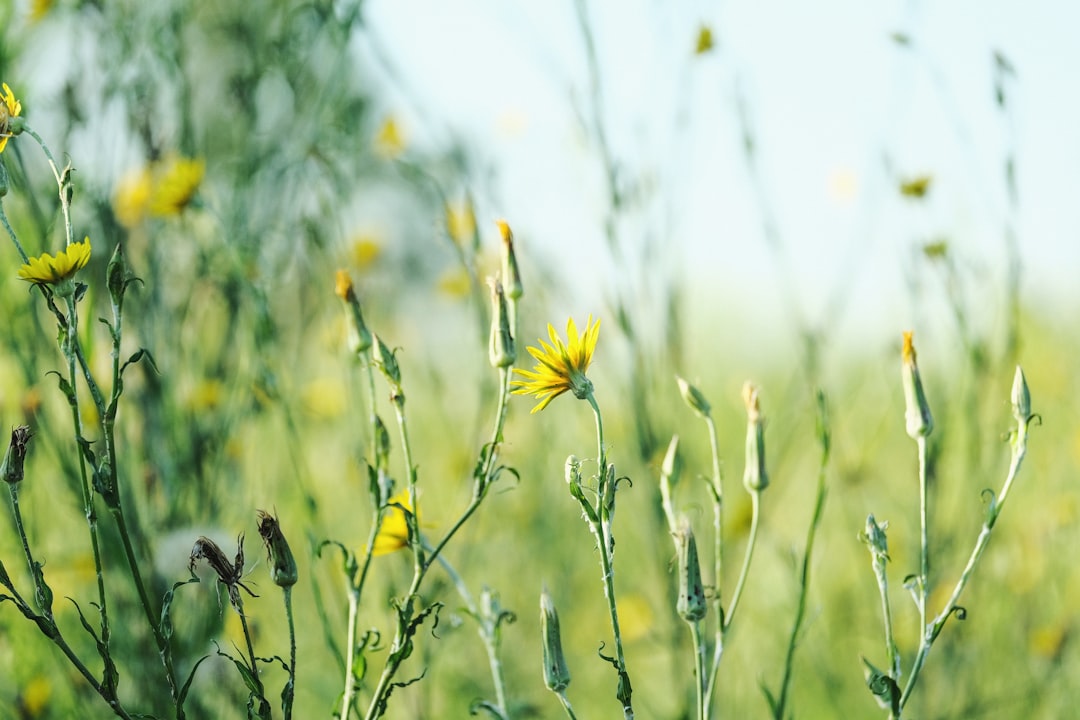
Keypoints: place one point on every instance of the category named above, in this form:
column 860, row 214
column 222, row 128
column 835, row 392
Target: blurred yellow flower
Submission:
column 40, row 8
column 394, row 532
column 10, row 108
column 324, row 398
column 35, row 696
column 365, row 251
column 635, row 616
column 389, row 139
column 560, row 367
column 454, row 283
column 205, row 396
column 49, row 270
column 177, row 179
column 162, row 189
column 704, row 41
column 916, row 187
column 461, row 223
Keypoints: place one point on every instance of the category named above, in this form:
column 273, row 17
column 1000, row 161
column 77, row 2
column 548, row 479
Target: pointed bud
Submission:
column 359, row 337
column 382, row 444
column 1021, row 397
column 386, row 362
column 693, row 397
column 755, row 478
column 282, row 564
column 875, row 539
column 15, row 458
column 511, row 275
column 691, row 604
column 501, row 351
column 556, row 674
column 117, row 275
column 917, row 409
column 669, row 476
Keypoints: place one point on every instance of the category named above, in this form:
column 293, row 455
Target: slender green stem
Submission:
column 804, row 575
column 886, row 614
column 924, row 544
column 930, row 632
column 700, row 652
column 61, row 183
column 287, row 591
column 751, row 543
column 12, row 235
column 566, row 705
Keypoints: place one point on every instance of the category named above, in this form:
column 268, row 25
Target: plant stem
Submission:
column 287, row 591
column 755, row 498
column 930, row 632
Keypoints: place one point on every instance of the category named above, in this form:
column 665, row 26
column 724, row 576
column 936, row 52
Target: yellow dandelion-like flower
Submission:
column 177, row 180
column 389, row 139
column 10, row 108
column 39, row 9
column 461, row 223
column 394, row 532
column 47, row 270
column 131, row 201
column 560, row 366
column 365, row 251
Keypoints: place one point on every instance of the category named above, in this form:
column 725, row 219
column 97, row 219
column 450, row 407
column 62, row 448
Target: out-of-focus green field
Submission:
column 256, row 403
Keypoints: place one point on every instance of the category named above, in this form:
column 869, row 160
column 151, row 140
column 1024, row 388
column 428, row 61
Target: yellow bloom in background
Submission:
column 461, row 223
column 161, row 189
column 40, row 8
column 560, row 367
column 704, row 42
column 47, row 270
column 635, row 616
column 132, row 197
column 394, row 532
column 177, row 179
column 365, row 251
column 324, row 398
column 389, row 139
column 35, row 696
column 454, row 283
column 10, row 108
column 916, row 187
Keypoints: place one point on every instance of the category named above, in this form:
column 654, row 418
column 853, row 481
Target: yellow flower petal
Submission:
column 560, row 366
column 47, row 270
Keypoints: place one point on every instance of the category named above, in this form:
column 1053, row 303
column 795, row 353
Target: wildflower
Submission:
column 556, row 673
column 228, row 574
column 359, row 335
column 693, row 398
column 704, row 42
column 282, row 564
column 393, row 533
column 560, row 366
column 501, row 351
column 691, row 604
column 177, row 179
column 11, row 470
column 132, row 197
column 58, row 271
column 389, row 140
column 9, row 109
column 511, row 275
column 916, row 187
column 917, row 412
column 755, row 478
column 461, row 223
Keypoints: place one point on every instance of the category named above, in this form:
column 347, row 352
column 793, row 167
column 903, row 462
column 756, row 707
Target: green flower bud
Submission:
column 511, row 275
column 556, row 674
column 755, row 478
column 691, row 604
column 282, row 564
column 693, row 397
column 359, row 337
column 385, row 361
column 1020, row 397
column 917, row 409
column 501, row 351
column 12, row 468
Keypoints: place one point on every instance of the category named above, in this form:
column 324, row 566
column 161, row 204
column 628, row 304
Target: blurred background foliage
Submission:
column 300, row 166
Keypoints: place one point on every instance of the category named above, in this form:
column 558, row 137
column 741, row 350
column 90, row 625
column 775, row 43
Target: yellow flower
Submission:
column 560, row 367
column 365, row 251
column 461, row 223
column 389, row 140
column 10, row 108
column 39, row 9
column 177, row 180
column 47, row 270
column 704, row 41
column 132, row 197
column 394, row 531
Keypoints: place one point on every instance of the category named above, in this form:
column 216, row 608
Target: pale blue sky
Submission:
column 833, row 102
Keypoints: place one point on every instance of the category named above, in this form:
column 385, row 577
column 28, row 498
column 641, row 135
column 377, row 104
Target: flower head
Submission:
column 560, row 366
column 393, row 533
column 47, row 270
column 9, row 108
column 178, row 178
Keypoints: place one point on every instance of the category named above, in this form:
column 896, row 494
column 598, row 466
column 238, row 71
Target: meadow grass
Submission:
column 358, row 420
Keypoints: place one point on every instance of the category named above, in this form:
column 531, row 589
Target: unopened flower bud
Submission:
column 755, row 478
column 511, row 275
column 501, row 351
column 556, row 674
column 385, row 361
column 669, row 476
column 693, row 397
column 691, row 604
column 359, row 337
column 14, row 459
column 282, row 564
column 1021, row 397
column 875, row 539
column 917, row 409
